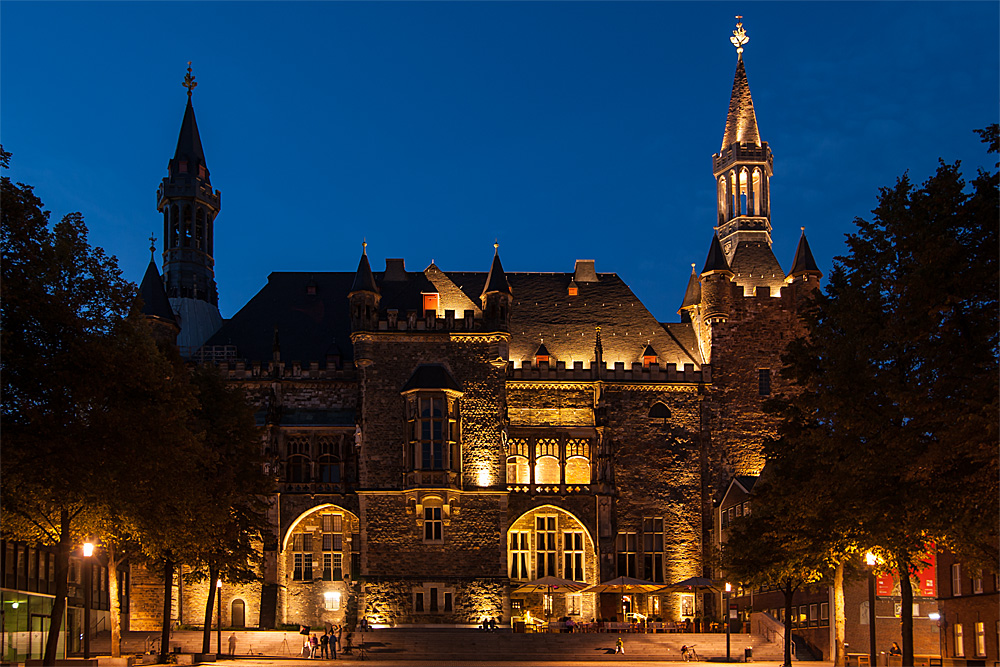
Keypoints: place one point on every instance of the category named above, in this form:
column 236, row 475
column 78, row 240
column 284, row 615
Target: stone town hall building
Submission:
column 439, row 437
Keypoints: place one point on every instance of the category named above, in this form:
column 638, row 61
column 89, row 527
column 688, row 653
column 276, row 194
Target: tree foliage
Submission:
column 889, row 442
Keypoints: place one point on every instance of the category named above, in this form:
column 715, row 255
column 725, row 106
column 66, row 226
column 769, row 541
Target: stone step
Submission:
column 464, row 644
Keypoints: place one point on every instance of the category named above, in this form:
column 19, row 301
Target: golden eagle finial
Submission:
column 189, row 81
column 739, row 37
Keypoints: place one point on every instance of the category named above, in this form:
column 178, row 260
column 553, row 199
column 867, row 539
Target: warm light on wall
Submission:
column 483, row 477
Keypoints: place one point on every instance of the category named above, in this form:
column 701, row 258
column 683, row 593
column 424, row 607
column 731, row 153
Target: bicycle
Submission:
column 688, row 654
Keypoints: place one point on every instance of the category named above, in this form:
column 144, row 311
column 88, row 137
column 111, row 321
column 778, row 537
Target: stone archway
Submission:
column 316, row 566
column 551, row 541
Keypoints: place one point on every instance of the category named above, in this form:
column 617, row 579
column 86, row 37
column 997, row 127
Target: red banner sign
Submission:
column 924, row 581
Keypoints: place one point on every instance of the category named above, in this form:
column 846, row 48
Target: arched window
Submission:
column 518, row 471
column 238, row 614
column 733, row 195
column 578, row 470
column 329, row 469
column 297, row 466
column 659, row 411
column 744, row 191
column 757, row 185
column 722, row 199
column 547, row 470
column 432, row 419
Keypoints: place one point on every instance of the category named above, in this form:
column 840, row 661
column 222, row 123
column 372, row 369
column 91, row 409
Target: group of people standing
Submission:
column 324, row 646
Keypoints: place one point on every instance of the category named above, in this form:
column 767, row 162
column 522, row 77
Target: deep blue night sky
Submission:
column 567, row 130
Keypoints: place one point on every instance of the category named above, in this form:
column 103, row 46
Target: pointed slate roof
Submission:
column 431, row 376
column 189, row 142
column 154, row 297
column 741, row 123
column 649, row 351
column 364, row 281
column 496, row 280
column 692, row 295
column 716, row 260
column 803, row 262
column 542, row 351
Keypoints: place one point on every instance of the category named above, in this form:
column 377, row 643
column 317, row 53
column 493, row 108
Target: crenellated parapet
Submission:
column 637, row 373
column 294, row 370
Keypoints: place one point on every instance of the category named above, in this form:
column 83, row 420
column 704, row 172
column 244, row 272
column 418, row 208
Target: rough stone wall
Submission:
column 396, row 356
column 195, row 596
column 754, row 338
column 146, row 600
column 391, row 601
column 472, row 545
column 657, row 470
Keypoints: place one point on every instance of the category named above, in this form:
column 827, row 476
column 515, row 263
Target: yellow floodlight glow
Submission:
column 870, row 559
column 88, row 549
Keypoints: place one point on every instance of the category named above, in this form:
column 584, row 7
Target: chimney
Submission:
column 394, row 270
column 584, row 271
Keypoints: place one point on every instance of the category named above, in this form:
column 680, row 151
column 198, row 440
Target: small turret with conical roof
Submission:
column 716, row 285
column 364, row 296
column 692, row 297
column 497, row 297
column 743, row 166
column 189, row 207
column 155, row 304
column 804, row 267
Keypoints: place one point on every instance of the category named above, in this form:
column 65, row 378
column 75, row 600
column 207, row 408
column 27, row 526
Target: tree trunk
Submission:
column 206, row 641
column 906, row 613
column 789, row 592
column 114, row 598
column 839, row 618
column 59, row 604
column 168, row 586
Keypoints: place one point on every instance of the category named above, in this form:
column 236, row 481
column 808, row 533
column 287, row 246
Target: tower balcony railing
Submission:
column 550, row 489
column 312, row 487
column 742, row 153
column 446, row 479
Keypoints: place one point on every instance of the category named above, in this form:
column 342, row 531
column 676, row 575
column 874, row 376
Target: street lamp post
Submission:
column 870, row 560
column 218, row 622
column 729, row 589
column 88, row 551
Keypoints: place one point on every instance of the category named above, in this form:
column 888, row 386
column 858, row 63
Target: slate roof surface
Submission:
column 754, row 264
column 154, row 297
column 312, row 326
column 741, row 122
column 189, row 141
column 431, row 376
column 804, row 261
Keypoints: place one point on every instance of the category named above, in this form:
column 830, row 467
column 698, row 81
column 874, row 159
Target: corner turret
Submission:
column 497, row 297
column 364, row 296
column 155, row 305
column 804, row 268
column 692, row 297
column 716, row 285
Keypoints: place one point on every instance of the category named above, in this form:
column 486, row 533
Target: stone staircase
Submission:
column 454, row 644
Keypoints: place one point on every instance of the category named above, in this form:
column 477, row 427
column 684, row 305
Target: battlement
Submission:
column 742, row 153
column 240, row 370
column 615, row 373
column 414, row 320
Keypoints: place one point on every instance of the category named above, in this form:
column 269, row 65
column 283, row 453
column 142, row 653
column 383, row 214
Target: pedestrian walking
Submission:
column 232, row 644
column 620, row 646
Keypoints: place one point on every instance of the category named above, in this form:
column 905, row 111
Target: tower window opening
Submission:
column 744, row 192
column 722, row 200
column 764, row 381
column 430, row 305
column 756, row 188
column 734, row 202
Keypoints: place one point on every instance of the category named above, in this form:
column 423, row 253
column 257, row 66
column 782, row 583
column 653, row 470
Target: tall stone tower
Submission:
column 189, row 206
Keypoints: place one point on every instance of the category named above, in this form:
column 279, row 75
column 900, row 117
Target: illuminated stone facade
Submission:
column 439, row 438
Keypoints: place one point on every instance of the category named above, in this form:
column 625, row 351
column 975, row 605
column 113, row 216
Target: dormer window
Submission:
column 542, row 354
column 430, row 304
column 648, row 356
column 573, row 289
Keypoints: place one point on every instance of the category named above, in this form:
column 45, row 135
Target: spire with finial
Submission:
column 152, row 247
column 364, row 279
column 692, row 295
column 804, row 264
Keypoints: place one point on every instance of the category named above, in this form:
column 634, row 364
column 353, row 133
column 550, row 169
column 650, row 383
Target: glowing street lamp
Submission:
column 729, row 590
column 88, row 551
column 871, row 560
column 218, row 623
